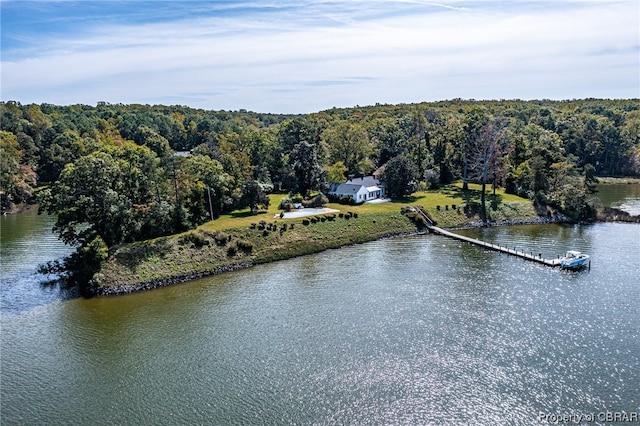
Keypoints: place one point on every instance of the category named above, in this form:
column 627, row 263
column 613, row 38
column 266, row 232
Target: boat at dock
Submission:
column 574, row 260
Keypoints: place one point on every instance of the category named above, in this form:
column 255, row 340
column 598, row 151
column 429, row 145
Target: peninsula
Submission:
column 241, row 239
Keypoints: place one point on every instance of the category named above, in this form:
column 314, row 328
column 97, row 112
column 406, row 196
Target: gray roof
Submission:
column 366, row 181
column 352, row 186
column 345, row 188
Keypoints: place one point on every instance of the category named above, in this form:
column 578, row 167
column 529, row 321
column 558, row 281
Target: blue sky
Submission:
column 300, row 56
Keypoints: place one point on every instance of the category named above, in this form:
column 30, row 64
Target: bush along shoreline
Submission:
column 199, row 253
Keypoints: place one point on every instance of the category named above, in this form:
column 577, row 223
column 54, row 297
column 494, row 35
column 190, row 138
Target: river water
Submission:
column 412, row 330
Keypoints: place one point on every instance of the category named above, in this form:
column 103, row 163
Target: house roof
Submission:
column 366, row 181
column 352, row 186
column 345, row 188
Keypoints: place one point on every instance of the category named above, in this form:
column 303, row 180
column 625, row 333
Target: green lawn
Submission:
column 220, row 243
column 445, row 196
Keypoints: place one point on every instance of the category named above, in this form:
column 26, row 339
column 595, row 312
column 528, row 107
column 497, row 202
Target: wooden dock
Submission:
column 513, row 252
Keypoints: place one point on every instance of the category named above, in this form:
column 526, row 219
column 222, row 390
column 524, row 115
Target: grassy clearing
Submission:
column 204, row 250
column 240, row 236
column 445, row 196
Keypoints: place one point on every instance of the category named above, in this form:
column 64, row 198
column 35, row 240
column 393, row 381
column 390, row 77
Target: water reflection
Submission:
column 417, row 330
column 623, row 196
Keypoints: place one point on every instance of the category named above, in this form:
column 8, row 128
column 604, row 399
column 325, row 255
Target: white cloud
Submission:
column 326, row 56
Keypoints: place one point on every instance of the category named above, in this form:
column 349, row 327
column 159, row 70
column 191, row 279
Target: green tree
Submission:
column 388, row 139
column 400, row 177
column 65, row 148
column 297, row 130
column 10, row 156
column 590, row 179
column 337, row 172
column 349, row 143
column 205, row 185
column 254, row 196
column 308, row 173
column 155, row 142
column 89, row 201
column 16, row 180
column 106, row 195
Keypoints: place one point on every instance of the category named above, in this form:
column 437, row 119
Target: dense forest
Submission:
column 112, row 175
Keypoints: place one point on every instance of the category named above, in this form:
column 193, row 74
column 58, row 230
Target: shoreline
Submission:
column 307, row 247
column 153, row 284
column 112, row 291
column 20, row 208
column 608, row 180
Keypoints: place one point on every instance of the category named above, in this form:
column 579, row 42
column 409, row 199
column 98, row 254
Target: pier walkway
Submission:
column 528, row 256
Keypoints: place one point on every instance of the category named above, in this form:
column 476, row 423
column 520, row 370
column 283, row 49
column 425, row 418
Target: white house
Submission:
column 360, row 189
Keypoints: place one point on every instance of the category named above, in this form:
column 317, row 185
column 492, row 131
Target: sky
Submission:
column 302, row 56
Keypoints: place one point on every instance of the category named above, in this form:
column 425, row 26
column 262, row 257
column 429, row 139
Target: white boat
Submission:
column 574, row 260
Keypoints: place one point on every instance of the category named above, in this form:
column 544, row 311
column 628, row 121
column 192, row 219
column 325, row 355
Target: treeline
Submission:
column 116, row 164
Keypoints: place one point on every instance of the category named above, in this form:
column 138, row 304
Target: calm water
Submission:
column 622, row 196
column 26, row 241
column 411, row 330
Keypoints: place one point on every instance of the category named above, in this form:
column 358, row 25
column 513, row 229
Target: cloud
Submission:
column 307, row 56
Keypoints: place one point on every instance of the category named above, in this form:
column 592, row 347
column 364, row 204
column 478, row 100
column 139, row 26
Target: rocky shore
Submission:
column 542, row 220
column 150, row 285
column 181, row 262
column 612, row 214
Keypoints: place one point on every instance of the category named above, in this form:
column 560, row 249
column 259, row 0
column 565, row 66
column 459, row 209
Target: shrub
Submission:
column 305, row 222
column 196, row 239
column 221, row 238
column 346, row 200
column 432, row 178
column 232, row 250
column 284, row 203
column 253, row 226
column 317, row 201
column 245, row 246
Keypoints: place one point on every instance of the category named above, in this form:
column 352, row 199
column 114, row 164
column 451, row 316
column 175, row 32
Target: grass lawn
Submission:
column 445, row 196
column 231, row 238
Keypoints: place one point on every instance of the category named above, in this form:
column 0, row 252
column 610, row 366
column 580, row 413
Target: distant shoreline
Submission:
column 607, row 180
